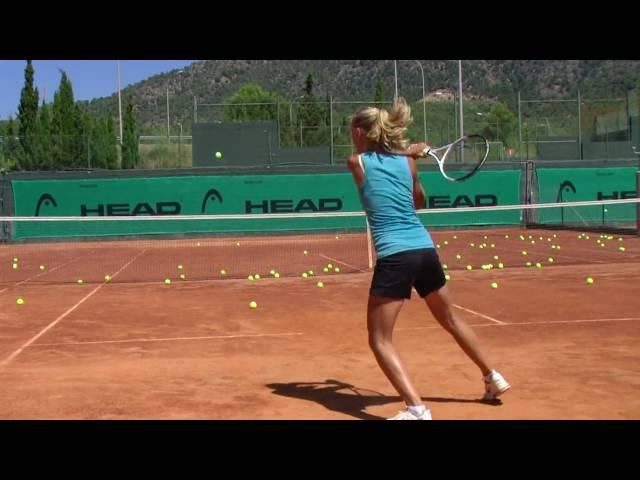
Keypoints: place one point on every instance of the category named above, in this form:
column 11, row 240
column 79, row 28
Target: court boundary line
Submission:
column 168, row 339
column 7, row 360
column 550, row 322
column 481, row 315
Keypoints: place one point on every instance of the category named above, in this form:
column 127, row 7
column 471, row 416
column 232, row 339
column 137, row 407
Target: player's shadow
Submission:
column 345, row 398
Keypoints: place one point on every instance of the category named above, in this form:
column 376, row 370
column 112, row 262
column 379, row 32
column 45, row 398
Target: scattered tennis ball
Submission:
column 550, row 259
column 622, row 249
column 506, row 236
column 237, row 244
column 445, row 266
column 253, row 305
column 485, row 237
column 223, row 272
column 325, row 269
column 528, row 264
column 179, row 267
column 557, row 247
column 455, row 237
column 524, row 252
column 80, row 281
column 218, row 155
column 446, row 242
column 250, row 277
column 495, row 257
column 438, row 245
column 320, row 285
column 15, row 266
column 602, row 244
column 469, row 267
column 257, row 276
column 589, row 280
column 15, row 259
column 538, row 265
column 619, row 239
column 310, row 272
column 493, row 245
column 459, row 257
column 500, row 265
column 41, row 267
column 554, row 235
column 533, row 242
column 277, row 275
column 305, row 275
column 167, row 281
column 598, row 241
column 494, row 285
column 329, row 266
column 587, row 237
column 272, row 272
column 540, row 238
column 182, row 276
column 20, row 301
column 107, row 278
column 610, row 237
column 472, row 244
column 337, row 269
column 337, row 237
column 447, row 277
column 198, row 244
column 305, row 252
column 521, row 237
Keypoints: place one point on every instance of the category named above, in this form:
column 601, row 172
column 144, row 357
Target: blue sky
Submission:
column 90, row 78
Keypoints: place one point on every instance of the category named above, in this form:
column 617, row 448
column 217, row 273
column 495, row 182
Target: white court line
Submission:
column 52, row 324
column 515, row 324
column 479, row 314
column 140, row 340
column 46, row 272
column 342, row 263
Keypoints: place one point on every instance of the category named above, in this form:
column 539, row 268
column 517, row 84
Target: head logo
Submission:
column 46, row 200
column 565, row 186
column 212, row 194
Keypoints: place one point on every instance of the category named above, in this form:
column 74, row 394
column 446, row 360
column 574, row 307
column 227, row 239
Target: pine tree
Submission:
column 130, row 137
column 27, row 117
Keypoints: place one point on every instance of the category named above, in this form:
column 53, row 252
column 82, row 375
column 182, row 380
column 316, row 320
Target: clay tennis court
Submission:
column 135, row 348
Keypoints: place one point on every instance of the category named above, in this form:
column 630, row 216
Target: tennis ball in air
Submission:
column 257, row 276
column 494, row 285
column 589, row 280
column 167, row 281
column 250, row 277
column 501, row 265
column 223, row 272
column 305, row 275
column 20, row 301
column 80, row 281
column 253, row 305
column 218, row 155
column 41, row 267
column 337, row 269
column 320, row 285
column 469, row 267
column 277, row 275
column 107, row 278
column 182, row 276
column 622, row 249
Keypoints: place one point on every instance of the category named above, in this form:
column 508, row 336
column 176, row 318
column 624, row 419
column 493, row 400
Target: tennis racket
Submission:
column 460, row 160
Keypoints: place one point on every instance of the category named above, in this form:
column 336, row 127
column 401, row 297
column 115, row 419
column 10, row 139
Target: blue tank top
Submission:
column 387, row 198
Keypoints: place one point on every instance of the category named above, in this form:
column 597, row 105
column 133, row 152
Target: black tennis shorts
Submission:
column 395, row 275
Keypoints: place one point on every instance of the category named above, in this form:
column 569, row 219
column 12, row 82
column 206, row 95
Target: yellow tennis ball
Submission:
column 521, row 237
column 528, row 264
column 237, row 244
column 501, row 265
column 277, row 275
column 320, row 285
column 485, row 237
column 557, row 247
column 506, row 236
column 325, row 269
column 494, row 285
column 223, row 272
column 493, row 245
column 533, row 242
column 447, row 277
column 337, row 269
column 198, row 244
column 179, row 267
column 337, row 237
column 305, row 275
column 167, row 281
column 253, row 305
column 455, row 237
column 446, row 242
column 41, row 267
column 524, row 252
column 445, row 266
column 589, row 280
column 182, row 276
column 622, row 249
column 459, row 257
column 15, row 259
column 495, row 257
column 538, row 265
column 80, row 281
column 15, row 266
column 257, row 276
column 305, row 252
column 329, row 266
column 272, row 272
column 20, row 301
column 469, row 267
column 550, row 259
column 472, row 244
column 480, row 246
column 218, row 155
column 107, row 278
column 250, row 277
column 438, row 245
column 310, row 272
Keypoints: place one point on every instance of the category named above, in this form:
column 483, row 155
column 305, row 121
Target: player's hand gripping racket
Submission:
column 460, row 160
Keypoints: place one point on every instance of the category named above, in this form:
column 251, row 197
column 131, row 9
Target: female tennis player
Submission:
column 384, row 171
